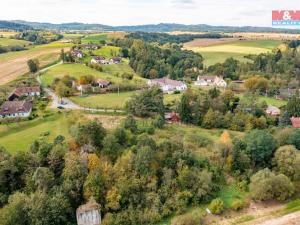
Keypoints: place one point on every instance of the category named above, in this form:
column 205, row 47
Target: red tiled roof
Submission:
column 24, row 90
column 295, row 122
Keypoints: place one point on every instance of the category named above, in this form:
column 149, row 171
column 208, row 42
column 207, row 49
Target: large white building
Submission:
column 210, row 81
column 167, row 85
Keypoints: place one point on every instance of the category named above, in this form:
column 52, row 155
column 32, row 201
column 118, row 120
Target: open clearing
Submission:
column 218, row 52
column 14, row 64
column 8, row 33
column 19, row 137
column 104, row 101
column 113, row 100
column 12, row 42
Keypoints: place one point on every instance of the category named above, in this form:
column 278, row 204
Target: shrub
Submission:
column 216, row 206
column 243, row 186
column 194, row 218
column 294, row 138
column 265, row 185
column 238, row 205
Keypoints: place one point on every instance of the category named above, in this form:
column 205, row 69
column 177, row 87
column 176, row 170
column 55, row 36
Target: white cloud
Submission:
column 128, row 12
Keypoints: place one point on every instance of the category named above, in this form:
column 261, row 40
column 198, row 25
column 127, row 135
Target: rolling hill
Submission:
column 162, row 27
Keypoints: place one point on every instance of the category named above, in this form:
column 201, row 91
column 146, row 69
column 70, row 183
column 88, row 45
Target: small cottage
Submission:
column 102, row 83
column 88, row 214
column 172, row 117
column 273, row 111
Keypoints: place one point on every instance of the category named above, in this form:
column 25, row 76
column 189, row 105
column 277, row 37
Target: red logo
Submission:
column 285, row 15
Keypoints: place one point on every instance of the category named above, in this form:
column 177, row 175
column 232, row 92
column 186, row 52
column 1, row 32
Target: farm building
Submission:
column 88, row 214
column 273, row 111
column 15, row 109
column 99, row 60
column 116, row 60
column 210, row 81
column 102, row 60
column 24, row 91
column 102, row 83
column 167, row 85
column 172, row 117
column 77, row 53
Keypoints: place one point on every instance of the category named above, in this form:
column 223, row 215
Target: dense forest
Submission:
column 7, row 25
column 152, row 61
column 163, row 38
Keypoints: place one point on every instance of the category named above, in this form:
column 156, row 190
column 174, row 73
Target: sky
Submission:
column 137, row 12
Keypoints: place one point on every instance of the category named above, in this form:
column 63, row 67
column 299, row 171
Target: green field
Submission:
column 12, row 42
column 94, row 39
column 237, row 49
column 114, row 100
column 270, row 101
column 105, row 51
column 106, row 101
column 78, row 70
column 108, row 51
column 273, row 101
column 19, row 137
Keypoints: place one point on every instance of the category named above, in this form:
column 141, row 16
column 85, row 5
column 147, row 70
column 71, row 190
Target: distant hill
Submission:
column 8, row 25
column 169, row 27
column 66, row 26
column 162, row 27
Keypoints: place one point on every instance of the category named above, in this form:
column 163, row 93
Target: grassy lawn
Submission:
column 94, row 39
column 12, row 42
column 106, row 101
column 113, row 100
column 19, row 137
column 237, row 49
column 108, row 51
column 78, row 70
column 231, row 193
column 270, row 101
column 273, row 101
column 211, row 58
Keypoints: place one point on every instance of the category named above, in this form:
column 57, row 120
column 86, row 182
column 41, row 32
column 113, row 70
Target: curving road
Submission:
column 67, row 103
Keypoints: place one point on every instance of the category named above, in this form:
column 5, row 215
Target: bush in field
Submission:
column 216, row 206
column 265, row 185
column 260, row 147
column 238, row 205
column 287, row 161
column 294, row 139
column 283, row 135
column 148, row 103
column 194, row 218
